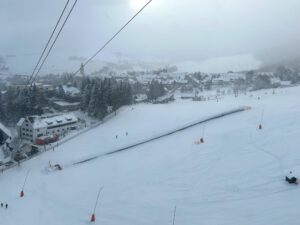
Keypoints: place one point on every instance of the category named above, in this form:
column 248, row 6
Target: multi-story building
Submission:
column 32, row 128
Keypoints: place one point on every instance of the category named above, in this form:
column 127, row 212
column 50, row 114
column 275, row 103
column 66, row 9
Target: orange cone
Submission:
column 22, row 194
column 93, row 218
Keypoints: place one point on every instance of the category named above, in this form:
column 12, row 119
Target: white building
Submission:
column 33, row 127
column 71, row 91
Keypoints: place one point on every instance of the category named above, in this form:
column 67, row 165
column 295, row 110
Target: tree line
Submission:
column 18, row 102
column 101, row 96
column 98, row 98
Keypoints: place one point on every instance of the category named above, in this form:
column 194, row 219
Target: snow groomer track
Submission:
column 168, row 133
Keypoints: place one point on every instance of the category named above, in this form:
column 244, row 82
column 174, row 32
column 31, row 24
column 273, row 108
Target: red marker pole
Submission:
column 22, row 191
column 93, row 217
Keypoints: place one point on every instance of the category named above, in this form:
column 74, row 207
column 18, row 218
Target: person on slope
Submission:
column 291, row 179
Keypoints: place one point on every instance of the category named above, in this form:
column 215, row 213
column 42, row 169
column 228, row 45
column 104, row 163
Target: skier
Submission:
column 1, row 204
column 126, row 133
column 291, row 179
column 6, row 205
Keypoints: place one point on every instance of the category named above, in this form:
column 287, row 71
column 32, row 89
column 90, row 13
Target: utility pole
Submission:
column 93, row 218
column 22, row 191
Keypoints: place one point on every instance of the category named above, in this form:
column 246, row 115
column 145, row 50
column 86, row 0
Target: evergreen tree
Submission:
column 156, row 90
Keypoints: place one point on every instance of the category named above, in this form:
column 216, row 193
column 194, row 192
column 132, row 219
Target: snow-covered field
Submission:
column 235, row 177
column 221, row 64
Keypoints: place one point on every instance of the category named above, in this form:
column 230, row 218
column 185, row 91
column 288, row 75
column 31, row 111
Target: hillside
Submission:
column 235, row 177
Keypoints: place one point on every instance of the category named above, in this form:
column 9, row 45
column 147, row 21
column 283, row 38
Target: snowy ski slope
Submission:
column 235, row 177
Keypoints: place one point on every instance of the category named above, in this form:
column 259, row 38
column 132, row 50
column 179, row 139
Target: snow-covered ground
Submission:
column 235, row 177
column 221, row 64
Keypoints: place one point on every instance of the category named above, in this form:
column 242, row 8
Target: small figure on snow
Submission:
column 126, row 133
column 116, row 136
column 6, row 205
column 1, row 204
column 291, row 179
column 58, row 167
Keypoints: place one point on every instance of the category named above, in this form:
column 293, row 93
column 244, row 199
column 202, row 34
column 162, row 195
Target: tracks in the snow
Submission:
column 187, row 126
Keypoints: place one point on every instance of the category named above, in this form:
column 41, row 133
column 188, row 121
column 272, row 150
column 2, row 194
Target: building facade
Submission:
column 33, row 128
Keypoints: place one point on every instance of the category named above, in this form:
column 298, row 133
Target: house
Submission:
column 71, row 91
column 33, row 128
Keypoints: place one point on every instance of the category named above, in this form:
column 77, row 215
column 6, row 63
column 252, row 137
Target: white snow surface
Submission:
column 235, row 177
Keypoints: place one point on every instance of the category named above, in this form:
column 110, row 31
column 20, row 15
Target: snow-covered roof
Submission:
column 57, row 120
column 64, row 103
column 5, row 130
column 21, row 121
column 141, row 97
column 285, row 83
column 43, row 122
column 180, row 81
column 71, row 90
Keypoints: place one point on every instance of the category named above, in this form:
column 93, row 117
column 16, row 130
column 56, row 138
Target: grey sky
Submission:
column 168, row 30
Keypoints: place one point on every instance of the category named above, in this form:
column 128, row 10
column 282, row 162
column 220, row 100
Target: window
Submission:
column 40, row 135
